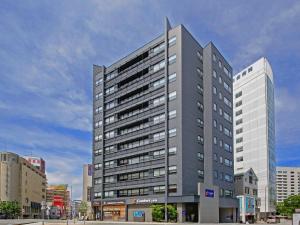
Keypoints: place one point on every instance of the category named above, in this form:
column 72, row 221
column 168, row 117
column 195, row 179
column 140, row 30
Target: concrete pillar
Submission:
column 199, row 213
column 181, row 212
column 126, row 212
column 234, row 218
column 244, row 218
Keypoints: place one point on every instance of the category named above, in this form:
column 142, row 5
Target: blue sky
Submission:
column 47, row 49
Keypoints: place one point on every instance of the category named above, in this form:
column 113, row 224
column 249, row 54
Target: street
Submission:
column 64, row 222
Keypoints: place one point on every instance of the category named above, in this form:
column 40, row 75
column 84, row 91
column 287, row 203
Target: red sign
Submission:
column 58, row 201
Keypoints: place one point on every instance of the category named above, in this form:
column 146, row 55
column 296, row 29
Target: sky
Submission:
column 48, row 48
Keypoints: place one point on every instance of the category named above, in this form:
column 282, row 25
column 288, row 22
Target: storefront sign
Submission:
column 114, row 203
column 209, row 193
column 145, row 201
column 138, row 214
column 96, row 203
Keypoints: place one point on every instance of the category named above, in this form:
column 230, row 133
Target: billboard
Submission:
column 58, row 201
column 37, row 162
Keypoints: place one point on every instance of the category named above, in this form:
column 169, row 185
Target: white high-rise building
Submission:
column 254, row 128
column 288, row 182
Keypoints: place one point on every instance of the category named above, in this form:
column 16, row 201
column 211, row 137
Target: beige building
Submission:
column 87, row 187
column 288, row 182
column 22, row 182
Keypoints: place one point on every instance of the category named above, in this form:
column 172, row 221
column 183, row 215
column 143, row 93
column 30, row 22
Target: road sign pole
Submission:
column 43, row 216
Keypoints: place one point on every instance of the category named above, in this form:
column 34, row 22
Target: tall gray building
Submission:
column 163, row 132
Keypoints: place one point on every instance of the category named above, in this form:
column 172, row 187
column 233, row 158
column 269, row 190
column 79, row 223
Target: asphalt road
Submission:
column 29, row 221
column 64, row 222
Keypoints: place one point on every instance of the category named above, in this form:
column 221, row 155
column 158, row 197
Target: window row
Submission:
column 226, row 71
column 227, row 162
column 222, row 113
column 172, row 188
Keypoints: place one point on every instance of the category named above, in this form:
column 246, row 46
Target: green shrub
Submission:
column 10, row 209
column 172, row 212
column 288, row 206
column 158, row 212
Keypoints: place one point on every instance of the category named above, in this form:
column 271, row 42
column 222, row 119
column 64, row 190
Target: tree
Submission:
column 83, row 207
column 288, row 206
column 10, row 209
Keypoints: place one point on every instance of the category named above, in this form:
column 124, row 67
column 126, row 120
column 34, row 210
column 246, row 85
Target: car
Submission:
column 271, row 219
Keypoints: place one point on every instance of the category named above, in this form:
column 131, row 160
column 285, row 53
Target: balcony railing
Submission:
column 144, row 113
column 150, row 95
column 135, row 134
column 136, row 150
column 135, row 68
column 151, row 181
column 142, row 81
column 128, row 168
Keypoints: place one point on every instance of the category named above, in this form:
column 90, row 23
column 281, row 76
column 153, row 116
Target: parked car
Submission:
column 272, row 219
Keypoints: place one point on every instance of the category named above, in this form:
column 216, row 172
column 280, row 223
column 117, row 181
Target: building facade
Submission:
column 87, row 188
column 287, row 182
column 245, row 186
column 38, row 162
column 152, row 144
column 22, row 182
column 254, row 128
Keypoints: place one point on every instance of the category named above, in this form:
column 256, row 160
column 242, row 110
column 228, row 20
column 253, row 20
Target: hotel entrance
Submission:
column 114, row 212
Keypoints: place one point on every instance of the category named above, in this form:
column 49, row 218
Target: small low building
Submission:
column 246, row 192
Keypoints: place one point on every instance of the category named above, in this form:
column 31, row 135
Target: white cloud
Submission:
column 271, row 29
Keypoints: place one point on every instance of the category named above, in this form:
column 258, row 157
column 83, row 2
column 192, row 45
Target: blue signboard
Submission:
column 138, row 213
column 209, row 193
column 250, row 204
column 90, row 170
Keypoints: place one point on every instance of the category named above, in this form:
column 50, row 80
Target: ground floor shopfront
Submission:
column 32, row 211
column 140, row 210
